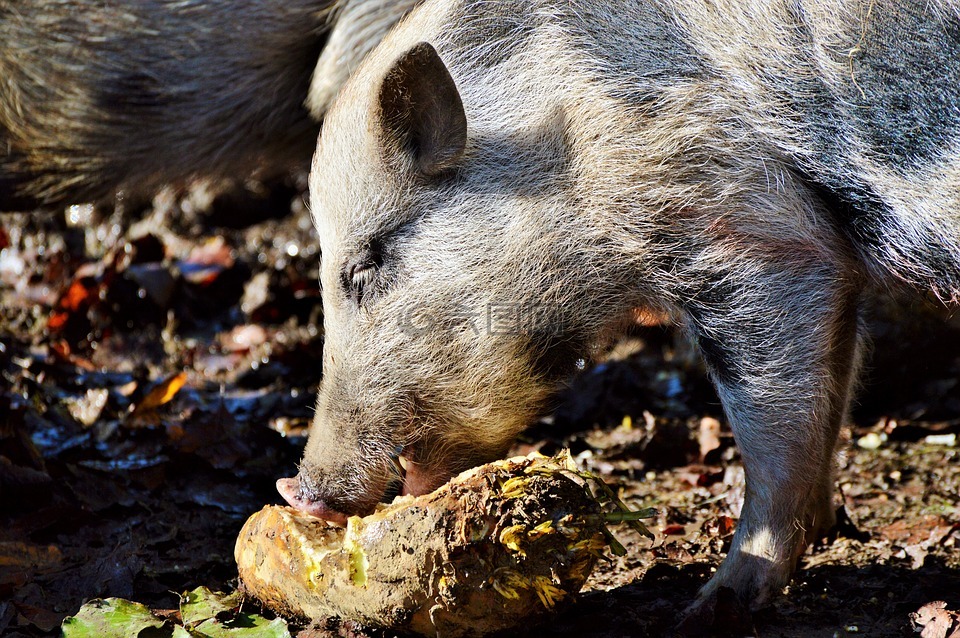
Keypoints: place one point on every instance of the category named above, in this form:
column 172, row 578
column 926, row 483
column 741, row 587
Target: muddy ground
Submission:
column 157, row 369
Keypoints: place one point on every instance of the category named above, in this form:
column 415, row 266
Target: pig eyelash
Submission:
column 361, row 276
column 362, row 273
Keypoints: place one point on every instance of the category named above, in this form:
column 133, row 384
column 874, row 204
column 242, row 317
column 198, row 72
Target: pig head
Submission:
column 448, row 303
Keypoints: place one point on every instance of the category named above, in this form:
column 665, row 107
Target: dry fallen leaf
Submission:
column 206, row 261
column 935, row 620
column 161, row 394
column 164, row 392
column 77, row 297
column 19, row 562
column 87, row 408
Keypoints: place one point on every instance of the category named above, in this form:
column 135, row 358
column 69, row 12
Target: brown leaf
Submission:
column 243, row 338
column 929, row 529
column 934, row 618
column 87, row 408
column 213, row 252
column 62, row 351
column 19, row 562
column 78, row 296
column 161, row 394
column 16, row 480
column 44, row 619
column 723, row 526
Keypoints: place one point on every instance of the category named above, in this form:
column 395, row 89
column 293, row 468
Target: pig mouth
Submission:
column 414, row 478
column 293, row 492
column 408, row 477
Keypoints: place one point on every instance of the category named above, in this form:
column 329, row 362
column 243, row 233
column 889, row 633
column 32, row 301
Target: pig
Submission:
column 748, row 169
column 133, row 94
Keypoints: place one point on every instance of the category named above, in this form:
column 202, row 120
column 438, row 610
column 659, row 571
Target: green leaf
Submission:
column 630, row 515
column 210, row 614
column 202, row 604
column 244, row 626
column 206, row 614
column 114, row 618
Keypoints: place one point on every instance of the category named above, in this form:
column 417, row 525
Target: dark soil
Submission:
column 158, row 373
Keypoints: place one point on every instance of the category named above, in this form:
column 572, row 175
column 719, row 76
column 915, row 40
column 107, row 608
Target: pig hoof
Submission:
column 721, row 611
column 289, row 489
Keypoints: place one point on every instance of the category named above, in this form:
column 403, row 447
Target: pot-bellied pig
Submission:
column 545, row 167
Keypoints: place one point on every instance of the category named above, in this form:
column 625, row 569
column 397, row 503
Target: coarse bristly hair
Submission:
column 134, row 94
column 745, row 167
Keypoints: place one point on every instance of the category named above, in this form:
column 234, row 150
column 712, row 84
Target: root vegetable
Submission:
column 497, row 546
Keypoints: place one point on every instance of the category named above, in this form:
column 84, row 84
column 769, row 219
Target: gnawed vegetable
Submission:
column 497, row 546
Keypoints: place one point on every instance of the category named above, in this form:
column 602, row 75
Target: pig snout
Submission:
column 293, row 492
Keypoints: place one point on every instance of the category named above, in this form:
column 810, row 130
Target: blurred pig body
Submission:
column 132, row 94
column 747, row 169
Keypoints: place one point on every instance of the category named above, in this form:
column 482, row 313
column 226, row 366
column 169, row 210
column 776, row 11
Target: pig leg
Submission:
column 780, row 339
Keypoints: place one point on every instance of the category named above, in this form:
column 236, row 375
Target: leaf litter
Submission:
column 159, row 368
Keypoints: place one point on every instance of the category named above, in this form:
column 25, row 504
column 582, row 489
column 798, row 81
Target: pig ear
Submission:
column 421, row 111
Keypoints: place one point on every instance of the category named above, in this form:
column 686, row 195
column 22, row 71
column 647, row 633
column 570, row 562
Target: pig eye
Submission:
column 361, row 274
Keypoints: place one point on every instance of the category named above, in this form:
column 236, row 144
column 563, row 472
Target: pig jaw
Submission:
column 336, row 492
column 416, row 481
column 416, row 478
column 315, row 504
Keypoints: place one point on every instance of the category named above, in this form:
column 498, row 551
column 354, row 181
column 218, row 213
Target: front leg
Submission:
column 778, row 331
